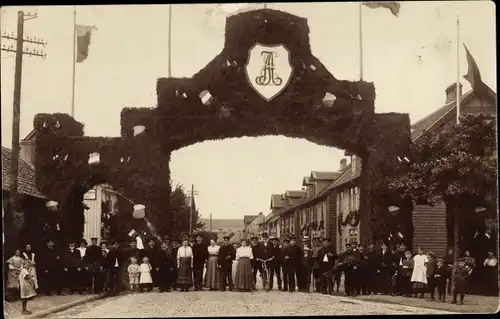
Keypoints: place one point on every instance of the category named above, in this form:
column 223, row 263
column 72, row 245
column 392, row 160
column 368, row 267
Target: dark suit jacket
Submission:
column 278, row 258
column 226, row 256
column 200, row 254
column 151, row 253
column 165, row 259
column 264, row 252
column 92, row 255
column 72, row 260
column 332, row 257
column 386, row 260
column 49, row 260
column 293, row 257
column 113, row 256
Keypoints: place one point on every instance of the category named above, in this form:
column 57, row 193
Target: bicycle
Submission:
column 265, row 273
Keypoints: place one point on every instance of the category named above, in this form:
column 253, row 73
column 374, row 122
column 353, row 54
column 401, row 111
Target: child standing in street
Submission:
column 461, row 274
column 440, row 276
column 27, row 286
column 406, row 269
column 133, row 274
column 145, row 281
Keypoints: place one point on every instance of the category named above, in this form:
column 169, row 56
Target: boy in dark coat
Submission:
column 461, row 274
column 440, row 276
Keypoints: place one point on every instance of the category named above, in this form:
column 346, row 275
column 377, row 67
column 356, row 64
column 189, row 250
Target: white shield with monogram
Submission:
column 268, row 69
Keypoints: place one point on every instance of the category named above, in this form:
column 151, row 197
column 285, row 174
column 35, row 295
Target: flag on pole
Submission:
column 473, row 75
column 394, row 6
column 83, row 33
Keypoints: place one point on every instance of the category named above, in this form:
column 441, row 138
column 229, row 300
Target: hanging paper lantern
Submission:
column 94, row 158
column 52, row 205
column 138, row 129
column 57, row 125
column 139, row 211
column 329, row 99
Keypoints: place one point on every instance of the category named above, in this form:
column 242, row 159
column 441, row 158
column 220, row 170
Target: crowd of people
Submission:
column 306, row 266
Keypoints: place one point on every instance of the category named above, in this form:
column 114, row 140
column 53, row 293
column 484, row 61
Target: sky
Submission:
column 411, row 59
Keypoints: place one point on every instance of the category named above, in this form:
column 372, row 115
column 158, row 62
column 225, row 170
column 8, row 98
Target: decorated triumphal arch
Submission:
column 265, row 81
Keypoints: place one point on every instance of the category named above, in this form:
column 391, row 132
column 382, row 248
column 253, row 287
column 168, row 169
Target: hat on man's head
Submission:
column 440, row 260
column 461, row 259
column 94, row 238
column 48, row 240
column 348, row 245
column 253, row 237
column 226, row 237
column 265, row 235
column 286, row 240
column 305, row 238
column 273, row 238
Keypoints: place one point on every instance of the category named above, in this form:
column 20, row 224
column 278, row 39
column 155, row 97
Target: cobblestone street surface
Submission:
column 216, row 304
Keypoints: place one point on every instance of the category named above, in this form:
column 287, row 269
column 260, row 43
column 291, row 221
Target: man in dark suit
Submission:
column 298, row 255
column 227, row 254
column 91, row 261
column 200, row 256
column 385, row 270
column 165, row 263
column 255, row 265
column 326, row 261
column 275, row 265
column 50, row 268
column 265, row 251
column 72, row 266
column 113, row 263
column 289, row 262
column 372, row 267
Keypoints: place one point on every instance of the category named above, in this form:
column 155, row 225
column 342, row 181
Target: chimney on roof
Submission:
column 343, row 163
column 451, row 92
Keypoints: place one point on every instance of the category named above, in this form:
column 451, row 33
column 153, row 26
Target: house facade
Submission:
column 429, row 223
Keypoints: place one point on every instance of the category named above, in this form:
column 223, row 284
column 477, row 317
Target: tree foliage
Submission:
column 180, row 211
column 456, row 165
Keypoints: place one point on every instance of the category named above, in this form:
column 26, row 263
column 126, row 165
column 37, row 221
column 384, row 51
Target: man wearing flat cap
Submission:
column 227, row 254
column 289, row 262
column 91, row 260
column 200, row 256
column 72, row 266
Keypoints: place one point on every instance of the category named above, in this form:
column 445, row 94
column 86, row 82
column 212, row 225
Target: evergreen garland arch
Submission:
column 138, row 166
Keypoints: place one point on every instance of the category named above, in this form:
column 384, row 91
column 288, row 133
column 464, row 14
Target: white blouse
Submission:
column 184, row 252
column 244, row 252
column 213, row 250
column 82, row 250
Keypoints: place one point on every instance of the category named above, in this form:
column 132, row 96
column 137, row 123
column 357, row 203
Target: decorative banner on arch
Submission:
column 268, row 70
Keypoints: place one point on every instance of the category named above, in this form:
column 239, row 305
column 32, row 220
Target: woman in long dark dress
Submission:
column 244, row 278
column 185, row 266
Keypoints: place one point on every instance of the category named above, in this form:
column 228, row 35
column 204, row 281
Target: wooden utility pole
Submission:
column 16, row 114
column 191, row 193
column 210, row 221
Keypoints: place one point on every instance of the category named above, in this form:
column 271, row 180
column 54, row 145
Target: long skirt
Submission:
column 212, row 275
column 244, row 277
column 185, row 273
column 233, row 269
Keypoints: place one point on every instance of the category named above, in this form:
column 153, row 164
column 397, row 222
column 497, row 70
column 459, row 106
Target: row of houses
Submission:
column 328, row 203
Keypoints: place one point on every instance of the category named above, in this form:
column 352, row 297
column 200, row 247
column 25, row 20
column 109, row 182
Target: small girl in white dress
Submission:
column 27, row 286
column 145, row 281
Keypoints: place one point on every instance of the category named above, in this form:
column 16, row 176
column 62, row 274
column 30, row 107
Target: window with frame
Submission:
column 353, row 235
column 356, row 198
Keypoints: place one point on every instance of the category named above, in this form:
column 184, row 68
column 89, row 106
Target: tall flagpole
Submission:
column 360, row 40
column 169, row 40
column 458, row 70
column 74, row 64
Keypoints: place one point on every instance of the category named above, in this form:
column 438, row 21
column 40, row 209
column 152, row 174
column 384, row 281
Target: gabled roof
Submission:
column 346, row 177
column 315, row 175
column 30, row 137
column 276, row 201
column 295, row 194
column 428, row 122
column 306, row 181
column 247, row 219
column 25, row 178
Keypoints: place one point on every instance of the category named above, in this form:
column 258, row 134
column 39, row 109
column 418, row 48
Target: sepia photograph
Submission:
column 249, row 159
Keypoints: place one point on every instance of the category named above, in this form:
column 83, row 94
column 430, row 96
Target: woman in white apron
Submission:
column 419, row 274
column 28, row 254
